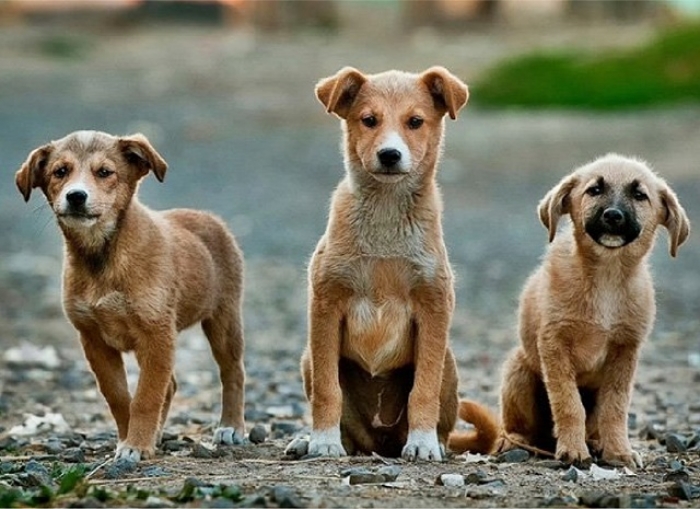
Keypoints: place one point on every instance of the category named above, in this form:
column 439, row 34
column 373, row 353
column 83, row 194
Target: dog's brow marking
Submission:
column 85, row 137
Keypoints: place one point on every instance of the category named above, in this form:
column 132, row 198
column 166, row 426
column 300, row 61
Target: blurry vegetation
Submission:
column 63, row 46
column 667, row 70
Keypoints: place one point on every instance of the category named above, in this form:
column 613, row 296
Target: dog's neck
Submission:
column 93, row 247
column 391, row 219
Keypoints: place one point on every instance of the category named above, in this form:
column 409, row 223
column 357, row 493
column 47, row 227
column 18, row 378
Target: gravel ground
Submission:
column 235, row 117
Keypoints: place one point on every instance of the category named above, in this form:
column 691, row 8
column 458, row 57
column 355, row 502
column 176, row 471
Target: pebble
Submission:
column 558, row 501
column 389, row 472
column 175, row 445
column 153, row 501
column 35, row 474
column 675, row 443
column 280, row 429
column 53, row 446
column 254, row 415
column 297, row 448
column 117, row 469
column 684, row 490
column 680, row 475
column 155, row 471
column 450, row 480
column 570, row 475
column 651, row 432
column 513, row 456
column 73, row 455
column 476, row 477
column 285, row 497
column 258, row 434
column 552, row 464
column 201, row 452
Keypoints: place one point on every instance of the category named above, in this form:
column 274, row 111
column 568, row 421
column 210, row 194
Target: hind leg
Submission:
column 225, row 334
column 518, row 403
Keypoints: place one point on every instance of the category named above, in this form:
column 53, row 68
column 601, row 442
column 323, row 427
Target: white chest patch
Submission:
column 607, row 306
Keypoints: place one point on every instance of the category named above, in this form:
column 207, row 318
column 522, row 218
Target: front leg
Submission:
column 612, row 406
column 568, row 412
column 155, row 353
column 433, row 315
column 326, row 396
column 108, row 366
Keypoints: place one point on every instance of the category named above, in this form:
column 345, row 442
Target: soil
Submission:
column 233, row 113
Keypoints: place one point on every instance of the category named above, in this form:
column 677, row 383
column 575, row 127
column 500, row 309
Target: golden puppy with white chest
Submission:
column 133, row 278
column 585, row 312
column 378, row 369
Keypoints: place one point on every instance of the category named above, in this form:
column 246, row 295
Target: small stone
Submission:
column 255, row 415
column 285, row 497
column 639, row 500
column 495, row 483
column 651, row 432
column 477, row 477
column 675, row 443
column 297, row 448
column 220, row 503
column 513, row 456
column 684, row 490
column 677, row 476
column 73, row 455
column 6, row 467
column 389, row 472
column 36, row 474
column 281, row 429
column 450, row 480
column 361, row 475
column 175, row 445
column 53, row 446
column 154, row 471
column 153, row 501
column 117, row 469
column 675, row 465
column 167, row 436
column 570, row 475
column 258, row 434
column 592, row 498
column 202, row 452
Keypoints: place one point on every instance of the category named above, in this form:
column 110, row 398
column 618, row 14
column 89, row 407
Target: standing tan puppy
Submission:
column 586, row 310
column 133, row 278
column 377, row 369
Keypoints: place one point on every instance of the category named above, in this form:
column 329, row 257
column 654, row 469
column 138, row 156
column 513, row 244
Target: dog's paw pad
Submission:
column 228, row 436
column 423, row 445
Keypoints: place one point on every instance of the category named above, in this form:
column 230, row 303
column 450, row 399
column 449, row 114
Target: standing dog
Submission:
column 378, row 369
column 585, row 312
column 133, row 278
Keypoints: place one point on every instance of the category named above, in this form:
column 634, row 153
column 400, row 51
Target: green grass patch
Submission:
column 667, row 70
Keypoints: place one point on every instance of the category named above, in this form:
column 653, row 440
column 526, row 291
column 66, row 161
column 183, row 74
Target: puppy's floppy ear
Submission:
column 555, row 204
column 138, row 152
column 30, row 175
column 338, row 92
column 674, row 219
column 449, row 93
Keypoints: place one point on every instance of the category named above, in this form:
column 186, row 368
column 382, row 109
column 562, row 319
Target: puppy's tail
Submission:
column 484, row 438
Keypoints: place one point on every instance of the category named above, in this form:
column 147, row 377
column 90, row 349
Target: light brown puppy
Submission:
column 133, row 278
column 585, row 312
column 378, row 369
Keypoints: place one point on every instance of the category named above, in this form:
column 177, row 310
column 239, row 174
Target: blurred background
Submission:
column 224, row 90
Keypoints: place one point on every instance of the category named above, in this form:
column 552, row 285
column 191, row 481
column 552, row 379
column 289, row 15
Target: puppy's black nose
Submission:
column 77, row 198
column 613, row 217
column 389, row 157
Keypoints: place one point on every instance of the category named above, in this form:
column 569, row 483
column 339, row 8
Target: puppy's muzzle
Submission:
column 76, row 200
column 613, row 227
column 390, row 162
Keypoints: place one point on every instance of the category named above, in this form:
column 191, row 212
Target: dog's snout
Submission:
column 76, row 198
column 389, row 157
column 613, row 216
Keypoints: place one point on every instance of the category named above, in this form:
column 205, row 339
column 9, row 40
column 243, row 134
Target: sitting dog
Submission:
column 378, row 369
column 585, row 312
column 133, row 278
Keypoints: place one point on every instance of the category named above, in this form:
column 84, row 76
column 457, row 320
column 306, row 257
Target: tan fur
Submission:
column 133, row 278
column 378, row 369
column 584, row 314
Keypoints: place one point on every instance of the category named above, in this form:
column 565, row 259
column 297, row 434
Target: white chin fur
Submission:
column 612, row 241
column 388, row 178
column 79, row 222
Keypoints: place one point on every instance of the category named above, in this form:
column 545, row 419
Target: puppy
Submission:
column 133, row 278
column 377, row 369
column 585, row 312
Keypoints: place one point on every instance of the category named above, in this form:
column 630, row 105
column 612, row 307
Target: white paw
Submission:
column 423, row 445
column 326, row 443
column 228, row 436
column 128, row 453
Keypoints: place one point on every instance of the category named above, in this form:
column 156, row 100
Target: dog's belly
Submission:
column 377, row 336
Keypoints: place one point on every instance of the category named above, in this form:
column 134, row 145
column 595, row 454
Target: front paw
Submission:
column 131, row 453
column 326, row 443
column 423, row 445
column 573, row 453
column 630, row 459
column 229, row 436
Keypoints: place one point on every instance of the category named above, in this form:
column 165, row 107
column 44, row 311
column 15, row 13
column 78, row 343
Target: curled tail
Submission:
column 484, row 438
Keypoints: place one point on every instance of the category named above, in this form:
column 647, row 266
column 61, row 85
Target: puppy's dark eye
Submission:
column 595, row 190
column 639, row 195
column 60, row 172
column 369, row 121
column 103, row 172
column 415, row 122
